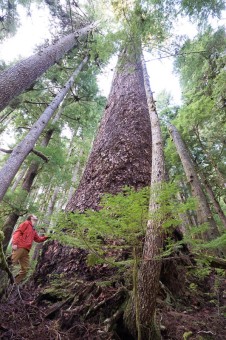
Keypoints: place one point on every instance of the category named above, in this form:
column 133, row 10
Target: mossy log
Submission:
column 217, row 262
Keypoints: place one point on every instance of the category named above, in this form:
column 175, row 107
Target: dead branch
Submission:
column 110, row 322
column 40, row 154
column 6, row 151
column 93, row 309
column 58, row 306
column 217, row 262
column 36, row 152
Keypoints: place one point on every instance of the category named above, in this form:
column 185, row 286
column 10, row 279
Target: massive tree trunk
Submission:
column 121, row 153
column 22, row 75
column 203, row 211
column 21, row 151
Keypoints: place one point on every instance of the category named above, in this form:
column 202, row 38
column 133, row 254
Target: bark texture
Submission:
column 21, row 76
column 204, row 214
column 121, row 153
column 21, row 151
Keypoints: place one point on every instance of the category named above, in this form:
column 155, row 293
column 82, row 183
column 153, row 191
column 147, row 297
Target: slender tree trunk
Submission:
column 74, row 177
column 213, row 199
column 121, row 153
column 47, row 220
column 220, row 178
column 21, row 151
column 6, row 124
column 22, row 75
column 8, row 228
column 203, row 212
column 18, row 179
column 186, row 221
column 149, row 272
column 192, row 216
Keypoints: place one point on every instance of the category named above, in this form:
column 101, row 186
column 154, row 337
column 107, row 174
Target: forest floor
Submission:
column 67, row 299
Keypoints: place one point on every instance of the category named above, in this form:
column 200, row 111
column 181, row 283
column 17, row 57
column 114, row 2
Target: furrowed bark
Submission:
column 21, row 76
column 21, row 151
column 121, row 153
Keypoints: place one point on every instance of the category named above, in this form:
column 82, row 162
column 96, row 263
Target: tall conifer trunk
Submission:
column 21, row 76
column 149, row 272
column 213, row 198
column 121, row 153
column 204, row 214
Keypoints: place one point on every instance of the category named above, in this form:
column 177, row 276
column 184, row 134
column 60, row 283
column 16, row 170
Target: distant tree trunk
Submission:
column 7, row 119
column 213, row 199
column 47, row 220
column 220, row 178
column 203, row 212
column 22, row 75
column 21, row 151
column 74, row 177
column 149, row 271
column 8, row 228
column 121, row 153
column 186, row 222
column 190, row 219
column 18, row 179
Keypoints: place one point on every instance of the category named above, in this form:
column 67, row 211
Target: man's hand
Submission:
column 14, row 247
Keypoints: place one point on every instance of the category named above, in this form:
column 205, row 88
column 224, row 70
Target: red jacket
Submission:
column 25, row 234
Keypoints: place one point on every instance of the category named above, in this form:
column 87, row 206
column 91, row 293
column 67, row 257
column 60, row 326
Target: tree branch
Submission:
column 40, row 154
column 6, row 151
column 37, row 153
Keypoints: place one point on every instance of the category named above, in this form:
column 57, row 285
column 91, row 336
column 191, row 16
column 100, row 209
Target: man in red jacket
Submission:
column 22, row 241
